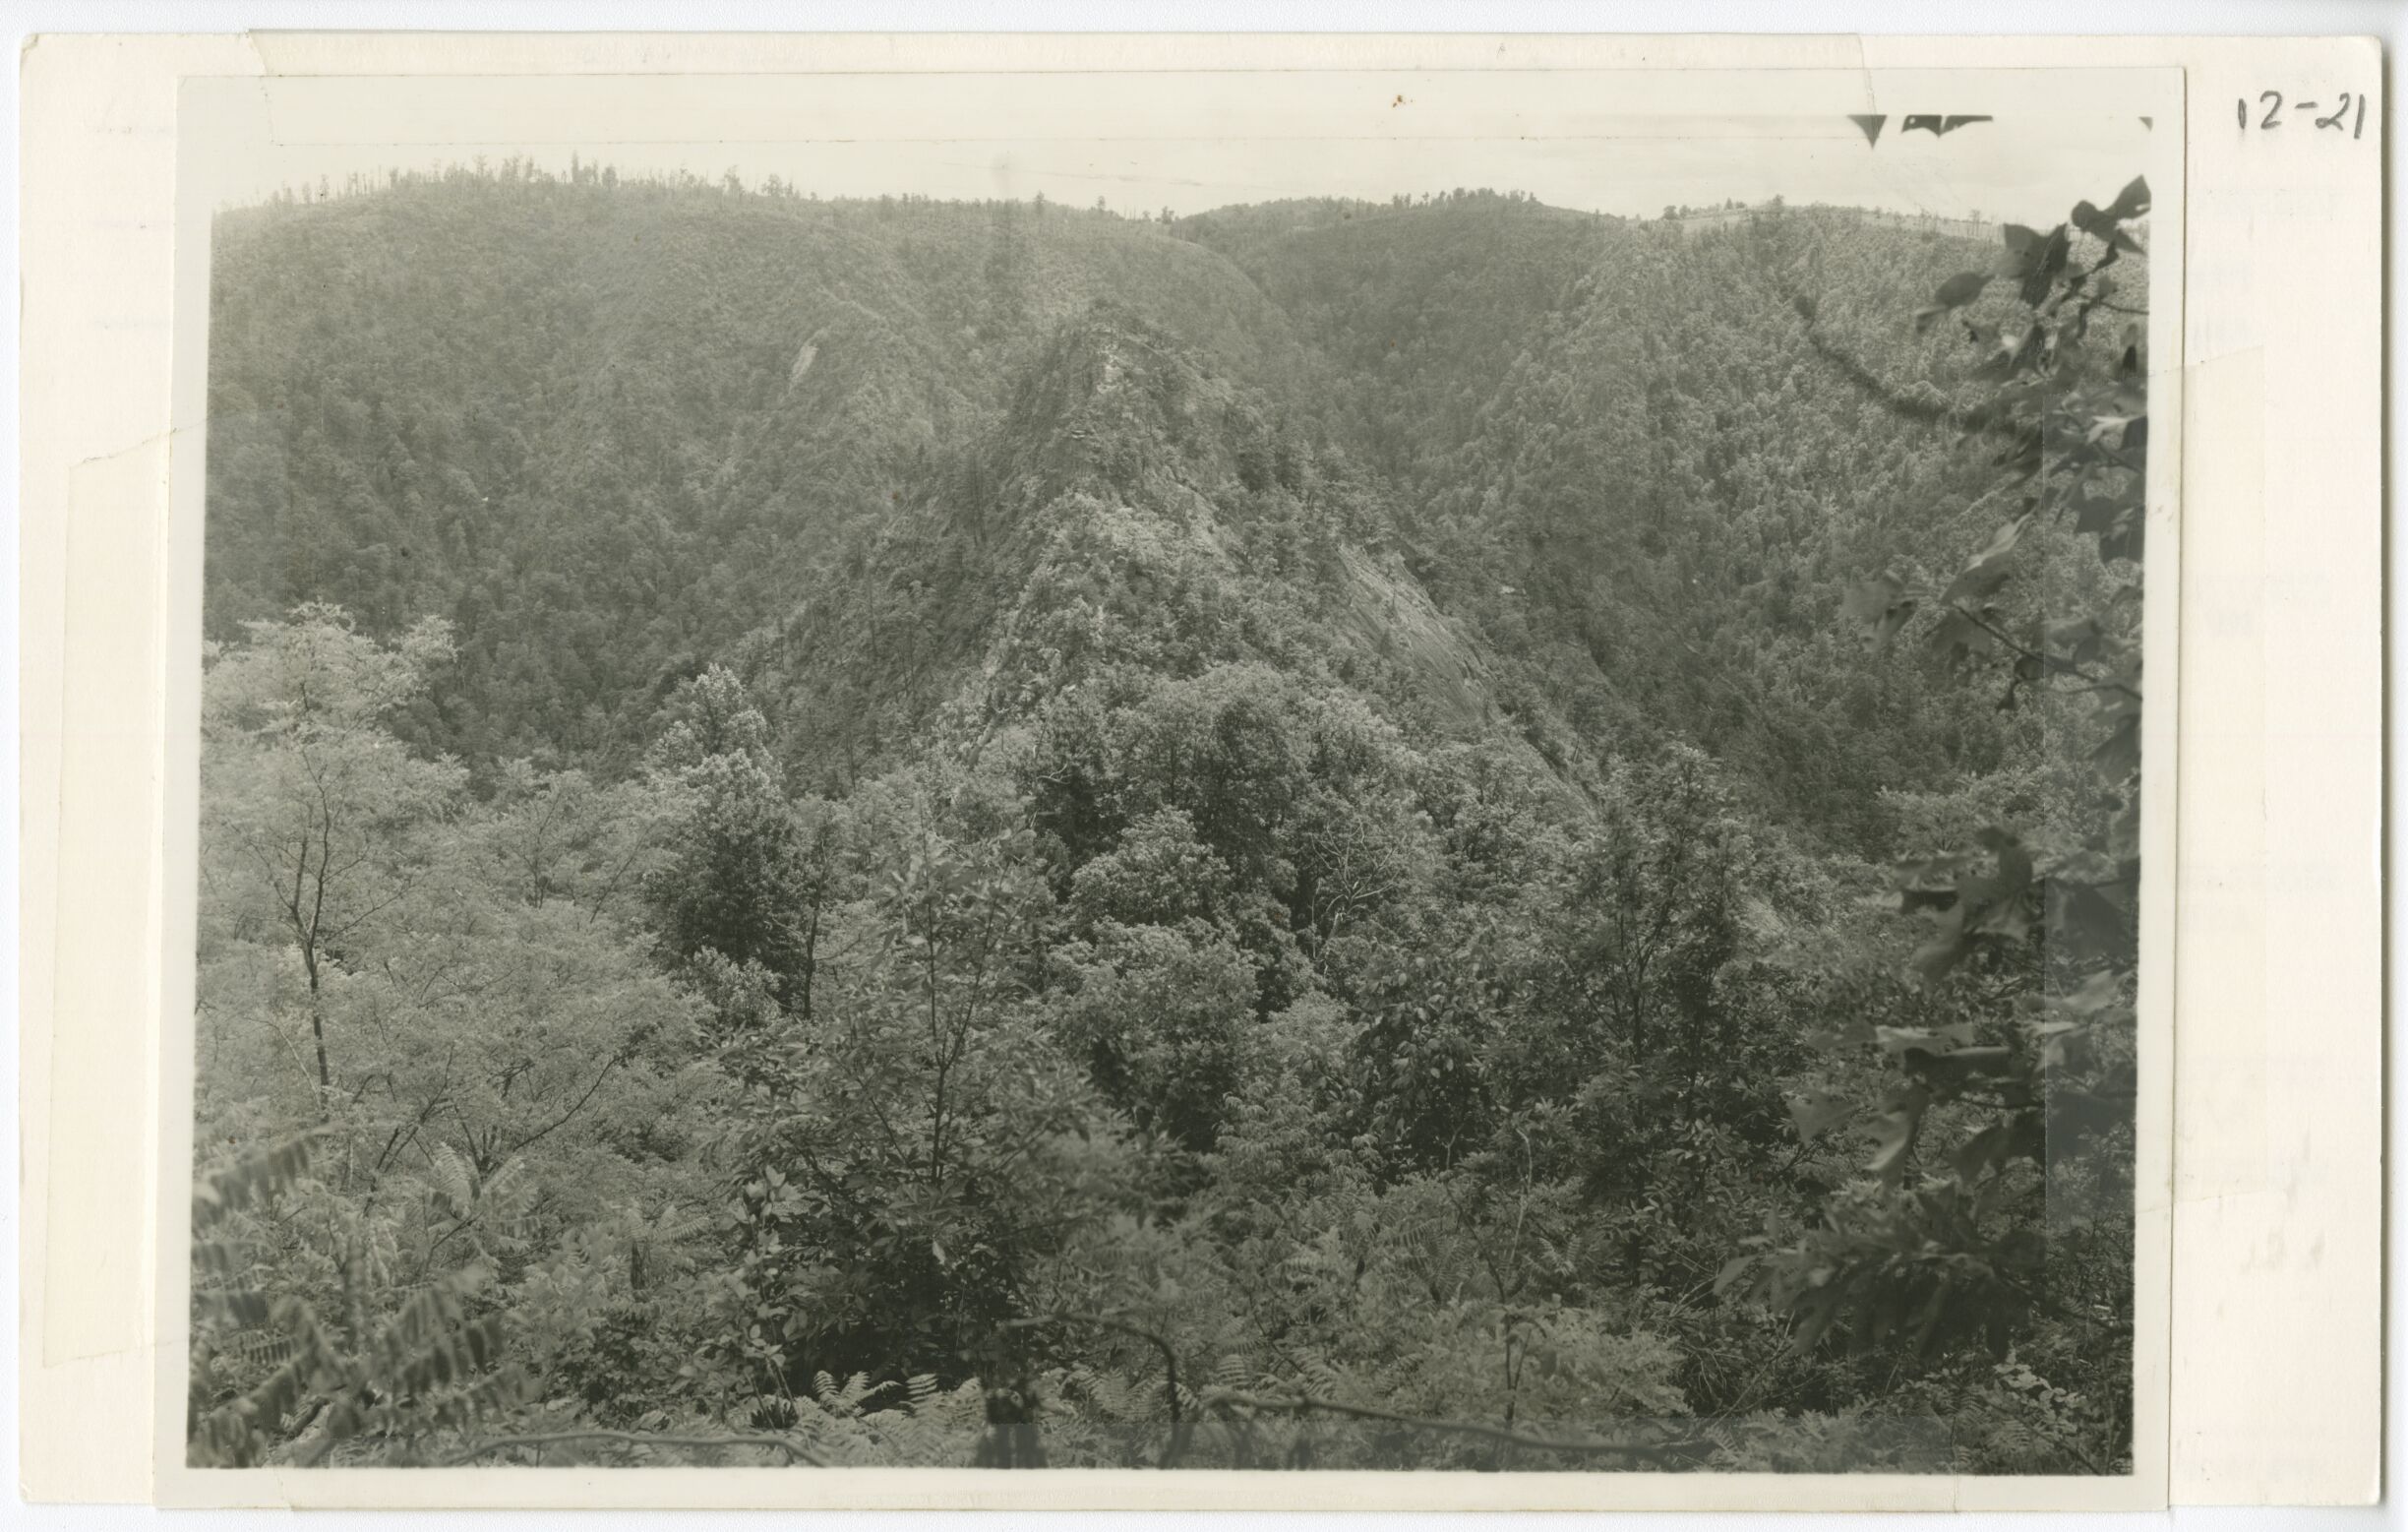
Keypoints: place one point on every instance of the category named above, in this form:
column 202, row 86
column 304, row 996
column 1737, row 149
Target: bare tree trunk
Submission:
column 325, row 1077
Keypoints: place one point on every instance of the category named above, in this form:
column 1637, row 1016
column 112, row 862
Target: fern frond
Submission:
column 255, row 1178
column 240, row 1309
column 453, row 1184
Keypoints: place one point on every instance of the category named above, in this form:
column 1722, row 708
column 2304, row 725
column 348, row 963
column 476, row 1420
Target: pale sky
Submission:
column 1197, row 142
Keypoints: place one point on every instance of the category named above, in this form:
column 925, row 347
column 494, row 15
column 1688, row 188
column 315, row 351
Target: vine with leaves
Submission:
column 1993, row 1147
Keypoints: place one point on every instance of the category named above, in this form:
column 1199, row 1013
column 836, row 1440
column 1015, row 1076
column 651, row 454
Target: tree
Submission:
column 1162, row 1016
column 494, row 1054
column 315, row 813
column 1652, row 912
column 906, row 1156
column 562, row 835
column 739, row 874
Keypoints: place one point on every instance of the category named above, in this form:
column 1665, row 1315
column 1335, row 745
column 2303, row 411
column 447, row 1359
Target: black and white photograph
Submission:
column 1396, row 773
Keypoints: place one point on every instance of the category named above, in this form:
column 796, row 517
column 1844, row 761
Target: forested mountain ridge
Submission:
column 912, row 832
column 1609, row 468
column 607, row 429
column 668, row 415
column 1128, row 508
column 1419, row 309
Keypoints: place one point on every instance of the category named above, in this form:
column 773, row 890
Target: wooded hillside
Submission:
column 1426, row 834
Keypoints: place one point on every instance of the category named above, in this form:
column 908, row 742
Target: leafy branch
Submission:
column 1676, row 1451
column 637, row 1439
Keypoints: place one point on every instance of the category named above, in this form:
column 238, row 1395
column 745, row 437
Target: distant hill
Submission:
column 1699, row 220
column 1129, row 509
column 1513, row 462
column 609, row 429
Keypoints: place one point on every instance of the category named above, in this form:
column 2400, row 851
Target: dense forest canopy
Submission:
column 908, row 831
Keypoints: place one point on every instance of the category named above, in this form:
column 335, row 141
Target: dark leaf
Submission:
column 1960, row 289
column 2127, row 540
column 2079, row 642
column 1958, row 636
column 1732, row 1270
column 1987, row 570
column 2105, row 227
column 2086, row 922
column 2044, row 265
column 1817, row 1112
column 2107, row 502
column 1815, row 1312
column 2025, row 1250
column 1867, row 600
column 1951, row 1071
column 2133, row 201
column 1893, row 620
column 2023, row 456
column 1979, row 1152
column 1894, row 1133
column 2118, row 756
